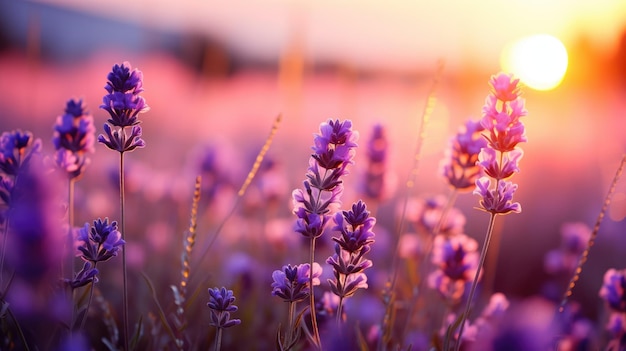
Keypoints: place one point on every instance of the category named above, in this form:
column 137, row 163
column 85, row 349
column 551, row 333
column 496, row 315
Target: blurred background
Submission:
column 217, row 73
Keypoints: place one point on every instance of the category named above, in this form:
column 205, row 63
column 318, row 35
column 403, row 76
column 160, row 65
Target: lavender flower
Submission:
column 499, row 159
column 73, row 138
column 348, row 262
column 123, row 104
column 375, row 176
column 498, row 200
column 221, row 304
column 34, row 223
column 100, row 242
column 613, row 289
column 291, row 283
column 504, row 130
column 426, row 214
column 459, row 166
column 574, row 239
column 16, row 149
column 333, row 152
column 456, row 259
column 88, row 274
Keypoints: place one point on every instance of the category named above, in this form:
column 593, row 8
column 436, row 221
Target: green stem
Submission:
column 483, row 254
column 339, row 312
column 316, row 333
column 124, row 271
column 292, row 313
column 82, row 323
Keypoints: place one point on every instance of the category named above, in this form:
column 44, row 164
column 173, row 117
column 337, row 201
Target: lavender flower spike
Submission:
column 500, row 158
column 16, row 149
column 613, row 289
column 100, row 242
column 459, row 167
column 348, row 262
column 123, row 104
column 291, row 283
column 221, row 304
column 74, row 136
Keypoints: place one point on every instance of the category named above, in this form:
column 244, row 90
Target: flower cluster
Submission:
column 123, row 104
column 100, row 242
column 73, row 138
column 459, row 166
column 33, row 217
column 456, row 259
column 613, row 291
column 333, row 152
column 16, row 150
column 374, row 182
column 221, row 305
column 291, row 283
column 503, row 131
column 97, row 243
column 574, row 239
column 348, row 262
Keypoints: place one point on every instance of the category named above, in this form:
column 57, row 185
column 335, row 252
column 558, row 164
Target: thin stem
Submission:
column 93, row 282
column 4, row 246
column 340, row 312
column 594, row 233
column 483, row 254
column 316, row 333
column 70, row 243
column 292, row 314
column 19, row 329
column 218, row 339
column 423, row 268
column 124, row 271
column 70, row 223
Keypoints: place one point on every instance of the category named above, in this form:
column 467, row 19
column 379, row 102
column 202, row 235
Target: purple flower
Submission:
column 505, row 88
column 356, row 232
column 123, row 101
column 123, row 104
column 613, row 289
column 88, row 274
column 459, row 167
column 221, row 304
column 574, row 239
column 118, row 140
column 33, row 223
column 456, row 259
column 374, row 179
column 498, row 200
column 291, row 283
column 100, row 242
column 426, row 214
column 333, row 148
column 500, row 169
column 16, row 149
column 500, row 158
column 74, row 135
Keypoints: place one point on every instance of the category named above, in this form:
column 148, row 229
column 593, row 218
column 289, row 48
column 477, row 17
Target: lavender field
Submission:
column 149, row 203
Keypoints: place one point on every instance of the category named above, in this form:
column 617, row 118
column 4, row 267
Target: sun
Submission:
column 539, row 61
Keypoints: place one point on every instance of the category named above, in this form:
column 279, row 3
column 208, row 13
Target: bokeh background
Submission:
column 217, row 73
